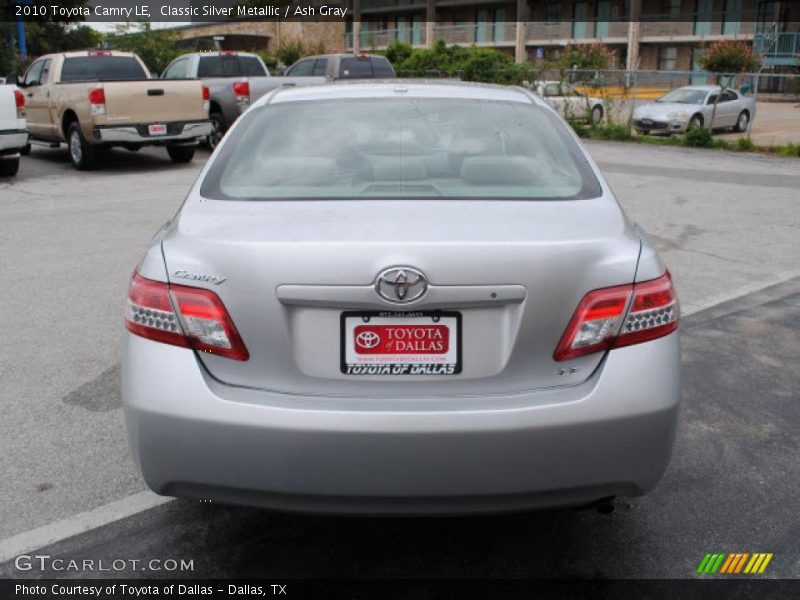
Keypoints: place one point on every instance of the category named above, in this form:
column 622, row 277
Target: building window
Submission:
column 671, row 8
column 667, row 58
column 552, row 12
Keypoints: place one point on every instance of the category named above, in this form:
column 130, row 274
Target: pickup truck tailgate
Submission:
column 154, row 101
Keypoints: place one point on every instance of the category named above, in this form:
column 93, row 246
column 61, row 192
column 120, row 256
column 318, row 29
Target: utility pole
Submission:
column 633, row 36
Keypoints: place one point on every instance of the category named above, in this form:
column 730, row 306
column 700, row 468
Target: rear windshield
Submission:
column 102, row 68
column 400, row 148
column 365, row 68
column 230, row 66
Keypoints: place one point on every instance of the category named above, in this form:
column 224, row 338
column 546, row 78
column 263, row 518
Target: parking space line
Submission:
column 40, row 537
column 28, row 541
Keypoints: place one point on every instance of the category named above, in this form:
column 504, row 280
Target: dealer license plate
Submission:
column 401, row 343
column 157, row 129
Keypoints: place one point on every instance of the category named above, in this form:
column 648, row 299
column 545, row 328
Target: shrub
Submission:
column 729, row 56
column 698, row 137
column 290, row 51
column 586, row 57
column 744, row 144
column 610, row 131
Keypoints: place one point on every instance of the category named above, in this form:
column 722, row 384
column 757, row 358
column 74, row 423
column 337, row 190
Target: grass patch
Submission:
column 694, row 138
column 744, row 144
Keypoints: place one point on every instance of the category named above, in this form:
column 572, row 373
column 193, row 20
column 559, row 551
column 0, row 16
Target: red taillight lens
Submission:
column 19, row 99
column 200, row 321
column 600, row 321
column 206, row 93
column 241, row 89
column 97, row 101
column 654, row 312
column 97, row 96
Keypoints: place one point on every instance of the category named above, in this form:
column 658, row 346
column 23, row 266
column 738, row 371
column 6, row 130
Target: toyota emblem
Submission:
column 401, row 284
column 368, row 339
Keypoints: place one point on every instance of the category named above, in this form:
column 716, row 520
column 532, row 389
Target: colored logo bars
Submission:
column 736, row 562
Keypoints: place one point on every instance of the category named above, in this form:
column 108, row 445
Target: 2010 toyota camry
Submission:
column 401, row 297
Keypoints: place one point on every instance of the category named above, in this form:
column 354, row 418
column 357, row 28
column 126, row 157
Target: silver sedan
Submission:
column 707, row 106
column 401, row 297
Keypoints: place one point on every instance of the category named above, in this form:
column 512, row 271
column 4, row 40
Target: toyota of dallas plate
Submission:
column 401, row 343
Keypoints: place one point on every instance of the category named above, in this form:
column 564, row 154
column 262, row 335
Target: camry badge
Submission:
column 401, row 284
column 184, row 274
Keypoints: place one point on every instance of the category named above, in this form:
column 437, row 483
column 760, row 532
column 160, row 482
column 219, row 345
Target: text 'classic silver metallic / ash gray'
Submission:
column 393, row 297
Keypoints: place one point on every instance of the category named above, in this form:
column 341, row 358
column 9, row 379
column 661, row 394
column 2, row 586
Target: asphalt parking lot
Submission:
column 726, row 224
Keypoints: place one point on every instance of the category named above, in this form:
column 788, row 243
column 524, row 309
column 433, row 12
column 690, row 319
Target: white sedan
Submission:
column 569, row 102
column 693, row 106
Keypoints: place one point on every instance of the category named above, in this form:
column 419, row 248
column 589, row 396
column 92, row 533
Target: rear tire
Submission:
column 9, row 167
column 218, row 124
column 742, row 122
column 83, row 155
column 181, row 154
column 597, row 115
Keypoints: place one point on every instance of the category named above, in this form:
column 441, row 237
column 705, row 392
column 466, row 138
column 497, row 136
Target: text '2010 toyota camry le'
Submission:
column 407, row 297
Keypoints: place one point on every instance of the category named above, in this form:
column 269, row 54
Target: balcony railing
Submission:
column 380, row 38
column 478, row 33
column 568, row 30
column 779, row 48
column 693, row 25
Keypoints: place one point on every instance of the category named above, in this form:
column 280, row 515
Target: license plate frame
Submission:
column 157, row 129
column 400, row 369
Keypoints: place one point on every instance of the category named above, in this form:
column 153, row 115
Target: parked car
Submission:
column 417, row 299
column 97, row 99
column 570, row 103
column 344, row 66
column 13, row 136
column 693, row 106
column 234, row 79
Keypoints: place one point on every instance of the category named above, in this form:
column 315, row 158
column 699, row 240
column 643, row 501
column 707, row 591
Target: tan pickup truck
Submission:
column 97, row 99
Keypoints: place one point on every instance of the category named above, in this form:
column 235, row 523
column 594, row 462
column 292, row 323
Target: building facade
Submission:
column 645, row 34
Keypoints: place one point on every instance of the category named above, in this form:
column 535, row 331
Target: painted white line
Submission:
column 746, row 289
column 28, row 541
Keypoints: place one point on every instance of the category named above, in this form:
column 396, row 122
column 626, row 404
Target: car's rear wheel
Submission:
column 9, row 166
column 180, row 154
column 742, row 122
column 597, row 114
column 83, row 156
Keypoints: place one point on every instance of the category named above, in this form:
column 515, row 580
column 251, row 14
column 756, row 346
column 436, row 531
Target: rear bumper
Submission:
column 195, row 437
column 12, row 141
column 138, row 134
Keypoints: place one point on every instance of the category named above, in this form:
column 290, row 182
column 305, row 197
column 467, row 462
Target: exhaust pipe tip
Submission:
column 605, row 506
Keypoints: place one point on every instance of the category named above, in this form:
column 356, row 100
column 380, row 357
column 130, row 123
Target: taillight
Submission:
column 182, row 316
column 241, row 89
column 206, row 99
column 19, row 99
column 600, row 322
column 97, row 100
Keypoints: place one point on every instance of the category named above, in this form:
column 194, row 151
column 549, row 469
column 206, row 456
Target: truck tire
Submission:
column 9, row 166
column 218, row 122
column 83, row 155
column 180, row 154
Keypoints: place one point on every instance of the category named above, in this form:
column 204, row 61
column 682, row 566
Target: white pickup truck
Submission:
column 13, row 136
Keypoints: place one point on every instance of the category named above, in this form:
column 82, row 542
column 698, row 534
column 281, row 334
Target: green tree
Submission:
column 156, row 47
column 729, row 56
column 290, row 51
